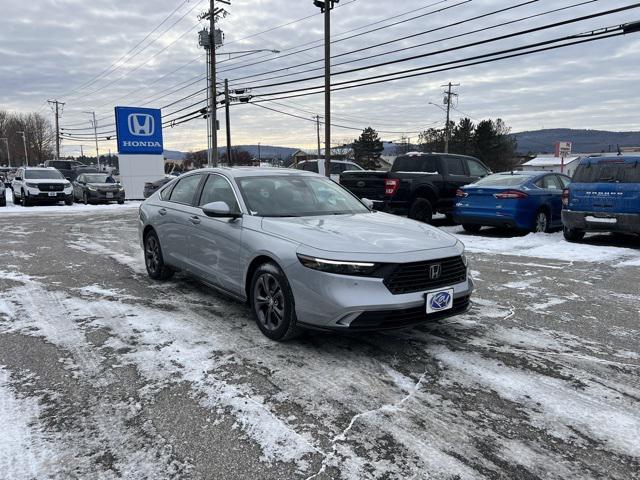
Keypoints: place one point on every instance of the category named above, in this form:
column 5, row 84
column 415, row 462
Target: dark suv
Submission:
column 603, row 196
column 68, row 168
column 418, row 185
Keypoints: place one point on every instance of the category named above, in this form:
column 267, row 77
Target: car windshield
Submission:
column 297, row 196
column 43, row 175
column 98, row 178
column 500, row 180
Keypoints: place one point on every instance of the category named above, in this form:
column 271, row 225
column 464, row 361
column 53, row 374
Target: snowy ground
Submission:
column 105, row 374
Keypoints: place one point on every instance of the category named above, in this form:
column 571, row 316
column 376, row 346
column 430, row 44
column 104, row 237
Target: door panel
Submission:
column 215, row 243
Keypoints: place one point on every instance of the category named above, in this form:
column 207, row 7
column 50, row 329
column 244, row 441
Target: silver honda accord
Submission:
column 302, row 251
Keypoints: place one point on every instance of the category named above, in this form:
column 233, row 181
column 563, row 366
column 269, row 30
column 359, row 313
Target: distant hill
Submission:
column 266, row 151
column 584, row 141
column 173, row 155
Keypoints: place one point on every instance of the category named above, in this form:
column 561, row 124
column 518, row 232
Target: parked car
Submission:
column 604, row 196
column 6, row 175
column 33, row 185
column 418, row 185
column 530, row 201
column 70, row 169
column 302, row 251
column 151, row 187
column 3, row 197
column 97, row 188
column 337, row 167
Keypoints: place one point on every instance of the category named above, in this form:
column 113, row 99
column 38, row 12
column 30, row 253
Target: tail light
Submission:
column 461, row 193
column 510, row 194
column 391, row 186
column 565, row 197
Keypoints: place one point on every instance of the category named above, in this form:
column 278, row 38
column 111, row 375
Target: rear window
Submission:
column 503, row 180
column 415, row 164
column 608, row 172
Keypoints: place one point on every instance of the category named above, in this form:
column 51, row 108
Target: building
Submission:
column 552, row 164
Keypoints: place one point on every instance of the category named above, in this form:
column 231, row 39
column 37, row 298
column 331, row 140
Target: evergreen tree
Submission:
column 367, row 149
column 462, row 137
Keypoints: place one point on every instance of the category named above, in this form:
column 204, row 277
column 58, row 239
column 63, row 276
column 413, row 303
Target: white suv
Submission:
column 40, row 185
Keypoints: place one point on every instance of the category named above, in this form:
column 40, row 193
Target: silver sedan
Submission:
column 302, row 251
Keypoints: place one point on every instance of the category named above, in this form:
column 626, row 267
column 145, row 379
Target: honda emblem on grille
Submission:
column 435, row 271
column 360, row 184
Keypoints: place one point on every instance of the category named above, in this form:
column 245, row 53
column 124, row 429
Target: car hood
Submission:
column 360, row 233
column 55, row 181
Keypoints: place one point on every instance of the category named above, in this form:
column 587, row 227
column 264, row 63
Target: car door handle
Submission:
column 162, row 211
column 195, row 220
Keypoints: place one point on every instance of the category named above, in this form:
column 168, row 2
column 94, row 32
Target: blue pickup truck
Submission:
column 604, row 196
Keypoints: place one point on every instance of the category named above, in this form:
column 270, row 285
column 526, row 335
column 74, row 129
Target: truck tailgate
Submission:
column 365, row 184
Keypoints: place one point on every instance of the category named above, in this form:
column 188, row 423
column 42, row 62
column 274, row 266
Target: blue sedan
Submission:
column 530, row 201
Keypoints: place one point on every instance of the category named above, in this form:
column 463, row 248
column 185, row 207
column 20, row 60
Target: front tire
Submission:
column 542, row 222
column 573, row 235
column 421, row 210
column 471, row 228
column 272, row 303
column 25, row 200
column 85, row 198
column 153, row 259
column 14, row 199
column 69, row 200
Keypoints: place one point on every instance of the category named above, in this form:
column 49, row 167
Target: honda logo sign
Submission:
column 139, row 130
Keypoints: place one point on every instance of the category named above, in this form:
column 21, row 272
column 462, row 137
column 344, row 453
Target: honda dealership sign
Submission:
column 139, row 130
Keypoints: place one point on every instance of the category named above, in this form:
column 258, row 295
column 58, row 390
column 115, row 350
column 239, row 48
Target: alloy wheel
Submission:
column 152, row 254
column 268, row 301
column 541, row 222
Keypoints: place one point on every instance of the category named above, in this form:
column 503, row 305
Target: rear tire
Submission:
column 573, row 235
column 153, row 260
column 471, row 228
column 272, row 303
column 26, row 202
column 542, row 222
column 421, row 210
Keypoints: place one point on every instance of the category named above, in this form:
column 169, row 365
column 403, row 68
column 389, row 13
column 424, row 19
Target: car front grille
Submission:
column 416, row 277
column 389, row 319
column 50, row 187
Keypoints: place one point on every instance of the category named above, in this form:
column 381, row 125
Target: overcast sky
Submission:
column 73, row 50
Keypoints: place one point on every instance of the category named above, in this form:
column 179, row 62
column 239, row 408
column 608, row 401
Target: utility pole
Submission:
column 259, row 152
column 57, row 123
column 213, row 95
column 6, row 140
column 449, row 95
column 318, row 129
column 81, row 152
column 24, row 142
column 227, row 121
column 325, row 7
column 95, row 134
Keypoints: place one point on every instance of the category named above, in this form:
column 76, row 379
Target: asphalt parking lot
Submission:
column 106, row 374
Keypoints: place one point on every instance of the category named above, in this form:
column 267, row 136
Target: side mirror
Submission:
column 219, row 210
column 368, row 203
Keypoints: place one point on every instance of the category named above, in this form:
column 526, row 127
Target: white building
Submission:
column 552, row 164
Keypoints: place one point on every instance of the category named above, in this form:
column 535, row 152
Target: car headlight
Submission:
column 338, row 266
column 31, row 185
column 90, row 188
column 67, row 184
column 465, row 260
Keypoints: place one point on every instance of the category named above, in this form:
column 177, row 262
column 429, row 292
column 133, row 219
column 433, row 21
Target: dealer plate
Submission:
column 439, row 301
column 109, row 194
column 589, row 218
column 53, row 194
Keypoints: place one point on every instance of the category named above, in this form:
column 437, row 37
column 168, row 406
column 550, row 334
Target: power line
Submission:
column 459, row 47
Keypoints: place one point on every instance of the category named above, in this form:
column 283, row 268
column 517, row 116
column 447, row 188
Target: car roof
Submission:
column 626, row 158
column 322, row 160
column 243, row 172
column 39, row 168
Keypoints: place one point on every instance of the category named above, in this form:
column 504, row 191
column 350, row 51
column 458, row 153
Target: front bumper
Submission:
column 98, row 196
column 339, row 302
column 36, row 195
column 597, row 221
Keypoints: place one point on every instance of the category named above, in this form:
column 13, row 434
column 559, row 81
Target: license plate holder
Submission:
column 439, row 301
column 109, row 194
column 53, row 194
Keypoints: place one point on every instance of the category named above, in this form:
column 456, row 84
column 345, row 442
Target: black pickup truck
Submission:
column 418, row 185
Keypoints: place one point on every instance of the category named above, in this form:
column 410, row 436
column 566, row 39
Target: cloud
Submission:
column 56, row 48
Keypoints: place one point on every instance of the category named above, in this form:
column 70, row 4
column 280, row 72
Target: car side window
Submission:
column 476, row 169
column 337, row 168
column 455, row 166
column 185, row 189
column 549, row 182
column 564, row 181
column 310, row 167
column 218, row 189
